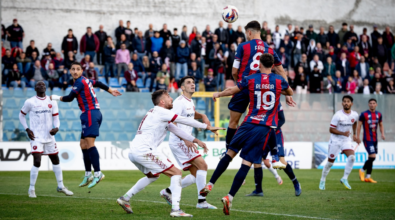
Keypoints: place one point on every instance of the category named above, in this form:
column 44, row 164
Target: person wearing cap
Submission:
column 310, row 34
column 15, row 34
column 49, row 51
column 342, row 32
column 375, row 36
column 69, row 43
column 182, row 58
column 351, row 34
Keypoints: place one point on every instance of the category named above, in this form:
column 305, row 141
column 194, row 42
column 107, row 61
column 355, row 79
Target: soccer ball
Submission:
column 230, row 14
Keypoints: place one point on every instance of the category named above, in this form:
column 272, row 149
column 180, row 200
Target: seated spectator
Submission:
column 37, row 73
column 284, row 58
column 65, row 78
column 315, row 81
column 182, row 59
column 140, row 45
column 196, row 73
column 375, row 63
column 311, row 50
column 23, row 63
column 163, row 74
column 69, row 43
column 123, row 41
column 49, row 50
column 85, row 62
column 155, row 66
column 193, row 58
column 34, row 57
column 329, row 85
column 16, row 51
column 156, row 42
column 350, row 45
column 371, row 74
column 131, row 77
column 109, row 53
column 46, row 61
column 137, row 65
column 329, row 68
column 210, row 83
column 391, row 87
column 58, row 60
column 69, row 60
column 173, row 85
column 288, row 46
column 366, row 88
column 32, row 48
column 167, row 54
column 122, row 59
column 357, row 79
column 91, row 73
column 354, row 57
column 377, row 80
column 270, row 42
column 304, row 64
column 320, row 52
column 316, row 62
column 60, row 71
column 343, row 65
column 301, row 85
column 378, row 91
column 351, row 85
column 147, row 68
column 338, row 82
column 362, row 68
column 161, row 85
column 342, row 50
column 8, row 62
column 53, row 77
column 299, row 72
column 15, row 78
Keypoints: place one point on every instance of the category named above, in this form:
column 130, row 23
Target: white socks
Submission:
column 201, row 181
column 175, row 187
column 349, row 165
column 33, row 177
column 88, row 173
column 326, row 170
column 58, row 174
column 188, row 180
column 97, row 174
column 140, row 185
column 273, row 171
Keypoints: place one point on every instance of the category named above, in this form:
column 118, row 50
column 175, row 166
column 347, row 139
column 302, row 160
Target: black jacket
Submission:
column 102, row 35
column 223, row 37
column 333, row 38
column 242, row 35
column 168, row 52
column 196, row 47
column 64, row 44
column 118, row 32
column 232, row 36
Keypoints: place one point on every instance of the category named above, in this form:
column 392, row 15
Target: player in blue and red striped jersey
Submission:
column 246, row 63
column 91, row 119
column 257, row 132
column 370, row 120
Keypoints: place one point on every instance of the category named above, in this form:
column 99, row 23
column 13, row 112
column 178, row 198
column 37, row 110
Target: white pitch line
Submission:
column 137, row 200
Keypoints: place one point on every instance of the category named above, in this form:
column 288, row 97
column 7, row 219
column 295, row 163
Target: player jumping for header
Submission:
column 91, row 119
column 44, row 116
column 342, row 122
column 370, row 120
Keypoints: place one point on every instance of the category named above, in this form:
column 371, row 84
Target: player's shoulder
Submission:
column 339, row 113
column 30, row 100
column 354, row 113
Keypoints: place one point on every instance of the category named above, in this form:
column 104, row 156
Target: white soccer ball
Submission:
column 230, row 14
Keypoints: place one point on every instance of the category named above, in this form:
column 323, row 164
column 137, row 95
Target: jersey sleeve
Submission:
column 243, row 84
column 277, row 60
column 239, row 52
column 77, row 87
column 177, row 107
column 55, row 109
column 26, row 107
column 167, row 115
column 284, row 84
column 334, row 121
column 361, row 117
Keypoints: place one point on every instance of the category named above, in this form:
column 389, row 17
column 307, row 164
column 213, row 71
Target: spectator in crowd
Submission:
column 15, row 78
column 362, row 68
column 16, row 51
column 320, row 52
column 295, row 33
column 128, row 32
column 240, row 33
column 357, row 79
column 311, row 49
column 288, row 30
column 15, row 34
column 161, row 85
column 91, row 73
column 375, row 63
column 37, row 73
column 329, row 68
column 316, row 62
column 301, row 85
column 182, row 59
column 378, row 91
column 291, row 79
column 150, row 32
column 85, row 62
column 173, row 86
column 32, row 48
column 364, row 33
column 351, row 86
column 332, row 54
column 342, row 32
column 131, row 77
column 46, row 61
column 276, row 36
column 364, row 45
column 354, row 57
column 58, row 60
column 23, row 63
column 69, row 43
column 381, row 51
column 68, row 60
column 322, row 37
column 370, row 77
column 269, row 42
column 119, row 30
column 209, row 82
column 343, row 50
column 203, row 54
column 165, row 34
column 390, row 87
column 122, row 59
column 208, row 34
column 155, row 66
column 2, row 49
column 3, row 33
column 89, row 44
column 288, row 45
column 140, row 45
column 284, row 58
column 351, row 34
column 196, row 45
column 299, row 72
column 210, row 46
column 315, row 80
column 343, row 65
column 184, row 35
column 333, row 37
column 366, row 88
column 156, row 42
column 123, row 40
column 196, row 73
column 102, row 36
column 329, row 84
column 305, row 64
column 310, row 34
column 194, row 58
column 175, row 40
column 232, row 34
column 229, row 58
column 53, row 77
column 375, row 36
column 65, row 79
column 350, row 45
column 265, row 31
column 49, row 51
column 168, row 56
column 377, row 79
column 192, row 35
column 338, row 82
column 163, row 74
column 138, row 66
column 147, row 68
column 298, row 49
column 388, row 37
column 223, row 37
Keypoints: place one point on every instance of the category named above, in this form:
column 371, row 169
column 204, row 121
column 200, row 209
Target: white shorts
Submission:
column 334, row 148
column 154, row 162
column 44, row 148
column 182, row 155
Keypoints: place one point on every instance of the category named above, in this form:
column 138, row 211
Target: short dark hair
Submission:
column 157, row 95
column 128, row 21
column 253, row 25
column 344, row 24
column 70, row 29
column 267, row 60
column 88, row 27
column 31, row 41
column 185, row 78
column 372, row 100
column 175, row 29
column 348, row 97
column 76, row 63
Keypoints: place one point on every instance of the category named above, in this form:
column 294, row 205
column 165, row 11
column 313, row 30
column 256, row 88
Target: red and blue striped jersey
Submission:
column 248, row 54
column 370, row 123
column 86, row 96
column 264, row 92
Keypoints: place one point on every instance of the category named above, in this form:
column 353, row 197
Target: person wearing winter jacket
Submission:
column 89, row 44
column 182, row 59
column 69, row 43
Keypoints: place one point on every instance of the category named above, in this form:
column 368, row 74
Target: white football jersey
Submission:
column 343, row 122
column 185, row 107
column 41, row 111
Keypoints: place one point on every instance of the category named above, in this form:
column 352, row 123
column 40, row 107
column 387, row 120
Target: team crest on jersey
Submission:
column 352, row 120
column 34, row 147
column 49, row 106
column 332, row 155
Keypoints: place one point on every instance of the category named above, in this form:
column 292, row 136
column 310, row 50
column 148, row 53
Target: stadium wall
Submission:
column 48, row 20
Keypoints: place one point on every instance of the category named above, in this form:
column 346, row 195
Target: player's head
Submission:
column 266, row 63
column 162, row 98
column 252, row 29
column 188, row 84
column 40, row 87
column 76, row 70
column 347, row 102
column 372, row 104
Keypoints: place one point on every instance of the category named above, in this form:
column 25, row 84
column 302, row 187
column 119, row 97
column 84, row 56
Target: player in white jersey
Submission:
column 342, row 123
column 187, row 159
column 151, row 161
column 44, row 115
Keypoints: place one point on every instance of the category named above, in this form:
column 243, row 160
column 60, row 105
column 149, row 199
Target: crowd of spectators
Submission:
column 316, row 62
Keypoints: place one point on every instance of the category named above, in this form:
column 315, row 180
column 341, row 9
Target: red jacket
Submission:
column 44, row 61
column 129, row 77
column 83, row 43
column 353, row 59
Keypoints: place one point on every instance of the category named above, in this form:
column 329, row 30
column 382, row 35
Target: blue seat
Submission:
column 109, row 115
column 114, row 83
column 110, row 137
column 56, row 89
column 14, row 115
column 116, row 127
column 123, row 137
column 76, row 126
column 201, row 105
column 70, row 137
column 100, row 137
column 9, row 126
column 144, row 90
column 123, row 82
column 68, row 90
column 69, row 115
column 130, row 127
column 11, row 104
column 121, row 90
column 96, row 90
column 104, row 127
column 17, row 88
column 58, row 137
column 30, row 92
column 5, row 138
column 98, row 71
column 103, row 80
column 64, row 105
column 4, row 87
column 64, row 126
column 19, row 93
column 139, row 83
column 147, row 83
column 6, row 92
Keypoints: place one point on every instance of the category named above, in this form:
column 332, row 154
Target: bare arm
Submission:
column 359, row 129
column 235, row 74
column 288, row 92
column 354, row 131
column 280, row 71
column 335, row 131
column 227, row 92
column 382, row 130
column 203, row 117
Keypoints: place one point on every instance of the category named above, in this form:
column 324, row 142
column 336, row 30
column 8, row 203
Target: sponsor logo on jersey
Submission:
column 49, row 106
column 191, row 115
column 43, row 111
column 259, row 117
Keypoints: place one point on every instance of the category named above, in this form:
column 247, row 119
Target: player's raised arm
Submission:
column 180, row 133
column 227, row 92
column 98, row 84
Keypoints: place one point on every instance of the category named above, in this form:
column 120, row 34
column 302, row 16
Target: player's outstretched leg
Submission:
column 185, row 182
column 325, row 172
column 59, row 175
column 88, row 164
column 348, row 169
column 269, row 166
column 298, row 189
column 258, row 176
column 232, row 128
column 221, row 167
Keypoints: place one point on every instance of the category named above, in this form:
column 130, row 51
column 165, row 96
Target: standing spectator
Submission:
column 138, row 65
column 140, row 45
column 288, row 45
column 150, row 32
column 304, row 64
column 311, row 49
column 119, row 30
column 155, row 66
column 329, row 68
column 388, row 40
column 68, row 60
column 375, row 36
column 161, row 85
column 288, row 30
column 194, row 58
column 23, row 63
column 131, row 77
column 58, row 60
column 196, row 73
column 354, row 57
column 342, row 32
column 128, row 32
column 390, row 87
column 69, row 43
column 182, row 59
column 163, row 74
column 362, row 68
column 184, row 35
column 333, row 37
column 147, row 68
column 298, row 49
column 351, row 34
column 123, row 40
column 46, row 61
column 32, row 48
column 122, row 59
column 37, row 73
column 210, row 83
column 168, row 56
column 196, row 45
column 357, row 79
column 49, row 51
column 208, row 34
column 343, row 65
column 240, row 33
column 276, row 35
column 210, row 46
column 381, row 51
column 175, row 40
column 156, row 42
column 294, row 35
column 366, row 89
column 316, row 63
column 322, row 37
column 365, row 33
column 265, row 31
column 315, row 80
column 192, row 35
column 229, row 58
column 351, row 86
column 301, row 85
column 85, row 62
column 203, row 55
column 15, row 34
column 270, row 42
column 3, row 33
column 91, row 73
column 102, row 36
column 53, row 77
column 284, row 58
column 232, row 35
column 310, row 34
column 350, row 45
column 89, row 44
column 165, row 33
column 15, row 78
column 364, row 45
column 320, row 52
column 223, row 37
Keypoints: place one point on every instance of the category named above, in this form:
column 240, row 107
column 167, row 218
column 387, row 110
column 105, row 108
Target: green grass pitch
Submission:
column 364, row 201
